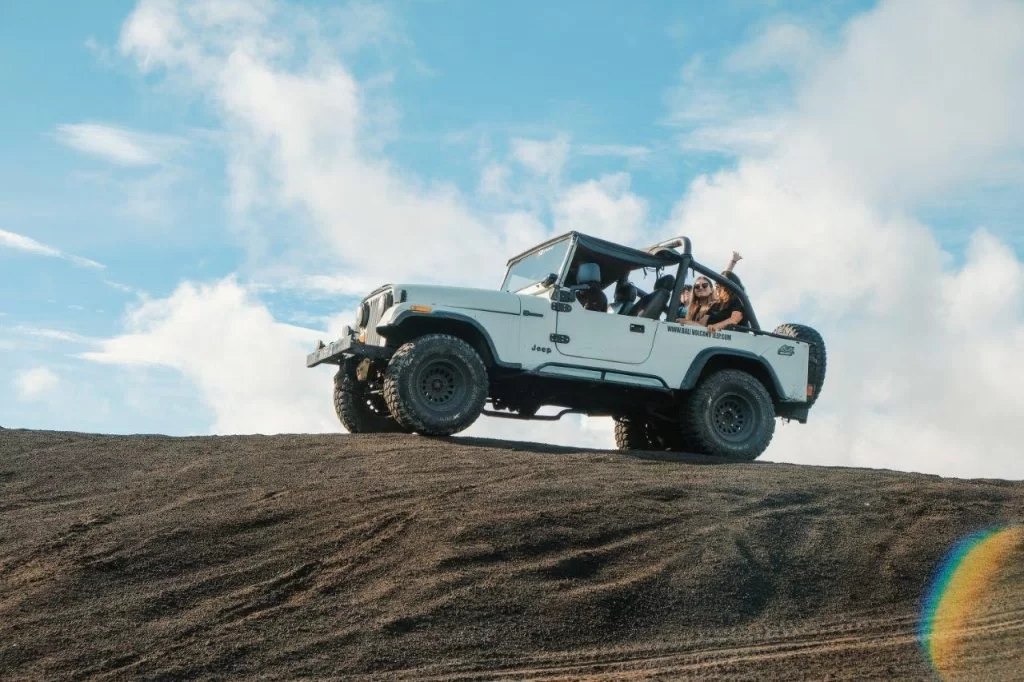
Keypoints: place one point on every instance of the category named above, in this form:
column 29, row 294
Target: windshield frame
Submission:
column 569, row 242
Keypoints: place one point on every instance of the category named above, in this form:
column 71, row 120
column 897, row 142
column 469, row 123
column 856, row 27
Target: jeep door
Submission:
column 591, row 335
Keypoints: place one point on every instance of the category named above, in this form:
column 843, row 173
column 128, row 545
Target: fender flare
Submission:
column 705, row 356
column 406, row 315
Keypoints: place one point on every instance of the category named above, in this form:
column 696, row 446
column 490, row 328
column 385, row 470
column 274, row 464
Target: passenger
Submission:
column 684, row 300
column 727, row 309
column 687, row 296
column 593, row 299
column 700, row 303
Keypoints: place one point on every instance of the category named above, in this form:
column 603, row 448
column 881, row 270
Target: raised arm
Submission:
column 736, row 258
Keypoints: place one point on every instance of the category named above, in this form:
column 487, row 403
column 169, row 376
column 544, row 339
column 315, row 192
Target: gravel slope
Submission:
column 398, row 556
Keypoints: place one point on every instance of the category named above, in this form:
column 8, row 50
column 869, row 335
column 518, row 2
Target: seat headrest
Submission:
column 589, row 273
column 666, row 282
column 626, row 293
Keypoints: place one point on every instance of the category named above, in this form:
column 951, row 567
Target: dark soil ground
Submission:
column 397, row 556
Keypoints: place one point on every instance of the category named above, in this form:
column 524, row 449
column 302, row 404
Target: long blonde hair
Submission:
column 697, row 308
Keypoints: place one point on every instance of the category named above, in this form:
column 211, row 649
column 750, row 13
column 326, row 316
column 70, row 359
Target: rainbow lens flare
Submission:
column 962, row 591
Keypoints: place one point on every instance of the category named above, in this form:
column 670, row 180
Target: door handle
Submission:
column 638, row 328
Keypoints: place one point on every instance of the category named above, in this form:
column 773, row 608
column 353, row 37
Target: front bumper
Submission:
column 335, row 352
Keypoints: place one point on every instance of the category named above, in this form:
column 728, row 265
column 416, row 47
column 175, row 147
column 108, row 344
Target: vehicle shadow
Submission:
column 544, row 448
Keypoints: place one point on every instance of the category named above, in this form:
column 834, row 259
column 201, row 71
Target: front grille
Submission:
column 378, row 304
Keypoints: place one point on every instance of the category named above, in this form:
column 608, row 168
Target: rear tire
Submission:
column 359, row 410
column 631, row 434
column 436, row 385
column 817, row 359
column 653, row 434
column 676, row 436
column 732, row 415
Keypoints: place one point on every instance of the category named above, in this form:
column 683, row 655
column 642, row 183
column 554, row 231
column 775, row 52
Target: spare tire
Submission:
column 817, row 359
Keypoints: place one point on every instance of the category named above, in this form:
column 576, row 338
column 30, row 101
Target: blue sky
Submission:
column 177, row 173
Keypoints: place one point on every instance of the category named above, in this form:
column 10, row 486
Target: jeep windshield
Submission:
column 532, row 269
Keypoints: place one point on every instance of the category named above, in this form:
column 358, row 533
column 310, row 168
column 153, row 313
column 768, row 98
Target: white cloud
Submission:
column 494, row 181
column 104, row 55
column 296, row 130
column 118, row 145
column 248, row 368
column 783, row 45
column 20, row 242
column 626, row 151
column 546, row 158
column 723, row 113
column 33, row 384
column 924, row 354
column 922, row 98
column 287, row 279
column 52, row 334
column 366, row 23
column 751, row 135
column 124, row 288
column 604, row 208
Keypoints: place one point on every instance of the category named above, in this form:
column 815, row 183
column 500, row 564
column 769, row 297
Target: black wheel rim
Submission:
column 376, row 405
column 733, row 416
column 441, row 386
column 370, row 399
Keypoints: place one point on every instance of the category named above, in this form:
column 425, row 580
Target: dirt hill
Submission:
column 399, row 556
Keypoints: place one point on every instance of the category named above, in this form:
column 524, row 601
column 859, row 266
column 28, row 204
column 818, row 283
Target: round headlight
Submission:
column 362, row 314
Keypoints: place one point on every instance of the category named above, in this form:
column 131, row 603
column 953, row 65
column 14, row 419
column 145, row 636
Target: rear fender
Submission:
column 711, row 360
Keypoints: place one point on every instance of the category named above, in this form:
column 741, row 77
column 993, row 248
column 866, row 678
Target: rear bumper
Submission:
column 335, row 352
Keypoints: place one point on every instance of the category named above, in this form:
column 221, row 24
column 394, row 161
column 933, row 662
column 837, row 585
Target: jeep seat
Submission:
column 625, row 295
column 652, row 305
column 590, row 295
column 589, row 274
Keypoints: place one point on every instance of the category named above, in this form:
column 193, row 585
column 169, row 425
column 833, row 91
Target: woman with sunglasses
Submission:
column 701, row 301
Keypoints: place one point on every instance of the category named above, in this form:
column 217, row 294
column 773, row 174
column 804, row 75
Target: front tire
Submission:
column 732, row 415
column 359, row 410
column 436, row 385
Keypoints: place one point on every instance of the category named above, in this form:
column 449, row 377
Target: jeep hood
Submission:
column 461, row 297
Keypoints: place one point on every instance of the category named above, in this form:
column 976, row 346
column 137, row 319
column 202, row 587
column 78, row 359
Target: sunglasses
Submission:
column 702, row 285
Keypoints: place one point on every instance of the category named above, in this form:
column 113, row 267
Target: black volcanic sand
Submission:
column 398, row 556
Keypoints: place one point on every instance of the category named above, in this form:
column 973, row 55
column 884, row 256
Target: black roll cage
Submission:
column 660, row 256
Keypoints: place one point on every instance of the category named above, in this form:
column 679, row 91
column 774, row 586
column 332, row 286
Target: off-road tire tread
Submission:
column 350, row 406
column 817, row 359
column 682, row 437
column 687, row 430
column 399, row 367
column 702, row 430
column 631, row 434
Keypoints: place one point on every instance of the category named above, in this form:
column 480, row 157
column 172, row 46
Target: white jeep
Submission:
column 428, row 359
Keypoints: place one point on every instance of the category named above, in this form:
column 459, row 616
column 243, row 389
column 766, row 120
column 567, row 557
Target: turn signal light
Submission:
column 810, row 390
column 420, row 308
